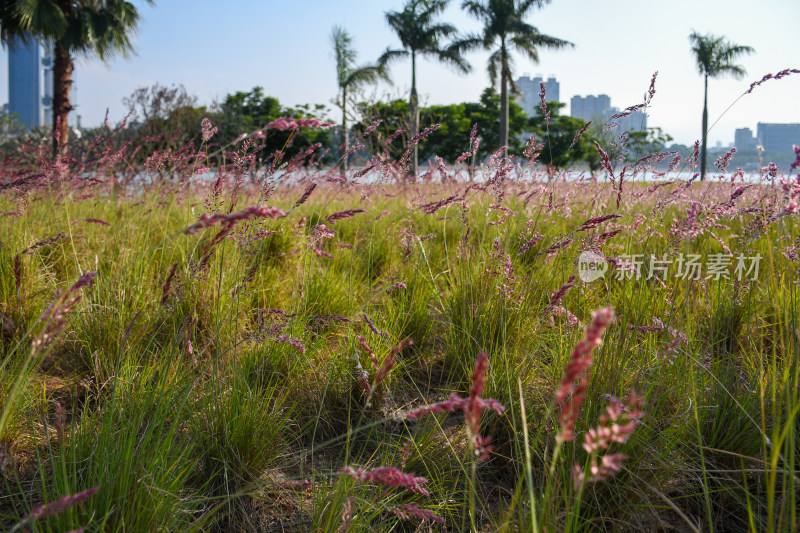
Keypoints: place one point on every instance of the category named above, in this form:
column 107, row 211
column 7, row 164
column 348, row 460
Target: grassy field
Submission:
column 396, row 355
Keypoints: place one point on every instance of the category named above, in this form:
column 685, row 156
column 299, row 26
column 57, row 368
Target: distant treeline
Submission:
column 168, row 118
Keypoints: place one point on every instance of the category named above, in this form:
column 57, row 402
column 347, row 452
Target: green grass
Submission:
column 246, row 431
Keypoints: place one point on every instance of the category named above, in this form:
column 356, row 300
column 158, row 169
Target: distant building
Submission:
column 598, row 108
column 590, row 107
column 530, row 88
column 636, row 121
column 778, row 138
column 744, row 140
column 30, row 83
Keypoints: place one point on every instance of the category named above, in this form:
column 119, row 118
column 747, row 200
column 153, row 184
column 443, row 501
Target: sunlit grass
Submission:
column 233, row 395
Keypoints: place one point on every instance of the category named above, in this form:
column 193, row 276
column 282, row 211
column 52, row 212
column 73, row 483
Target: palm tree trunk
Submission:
column 413, row 108
column 345, row 135
column 503, row 97
column 705, row 131
column 62, row 81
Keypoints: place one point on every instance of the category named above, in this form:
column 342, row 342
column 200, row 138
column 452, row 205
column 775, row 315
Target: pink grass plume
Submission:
column 596, row 221
column 557, row 296
column 341, row 215
column 290, row 123
column 388, row 476
column 569, row 395
column 783, row 73
column 389, row 362
column 408, row 511
column 305, row 196
column 228, row 221
column 472, row 407
column 60, row 505
column 606, row 161
column 165, row 288
column 796, row 163
column 579, row 134
column 543, row 103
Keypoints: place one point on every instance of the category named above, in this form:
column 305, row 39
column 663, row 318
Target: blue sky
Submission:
column 214, row 48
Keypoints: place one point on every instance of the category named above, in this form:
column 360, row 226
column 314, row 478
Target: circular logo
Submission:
column 591, row 266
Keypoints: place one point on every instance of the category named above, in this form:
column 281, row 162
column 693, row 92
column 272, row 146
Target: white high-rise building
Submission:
column 743, row 140
column 778, row 137
column 636, row 121
column 590, row 107
column 598, row 109
column 530, row 88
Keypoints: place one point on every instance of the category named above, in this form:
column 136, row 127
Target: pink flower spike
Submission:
column 228, row 221
column 412, row 510
column 569, row 395
column 388, row 476
column 557, row 296
column 290, row 123
column 388, row 363
column 60, row 505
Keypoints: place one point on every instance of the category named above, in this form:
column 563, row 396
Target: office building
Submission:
column 530, row 88
column 778, row 138
column 598, row 109
column 743, row 140
column 30, row 83
column 636, row 121
column 591, row 107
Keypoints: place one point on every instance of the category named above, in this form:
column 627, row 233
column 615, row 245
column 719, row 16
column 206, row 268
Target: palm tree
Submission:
column 421, row 35
column 101, row 28
column 715, row 56
column 504, row 30
column 349, row 77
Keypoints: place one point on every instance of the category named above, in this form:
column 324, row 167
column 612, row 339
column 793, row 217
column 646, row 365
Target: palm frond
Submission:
column 365, row 75
column 107, row 31
column 527, row 43
column 344, row 53
column 527, row 5
column 468, row 43
column 504, row 21
column 102, row 29
column 389, row 56
column 40, row 18
column 477, row 10
column 510, row 77
column 494, row 66
column 437, row 32
column 452, row 56
column 715, row 55
column 737, row 71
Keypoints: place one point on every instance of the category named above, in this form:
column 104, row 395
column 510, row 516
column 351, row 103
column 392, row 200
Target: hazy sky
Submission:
column 215, row 48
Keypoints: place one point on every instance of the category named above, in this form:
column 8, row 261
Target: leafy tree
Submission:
column 246, row 112
column 9, row 127
column 421, row 35
column 159, row 101
column 642, row 143
column 350, row 77
column 485, row 114
column 683, row 150
column 168, row 120
column 715, row 56
column 504, row 30
column 557, row 136
column 394, row 115
column 456, row 121
column 76, row 28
